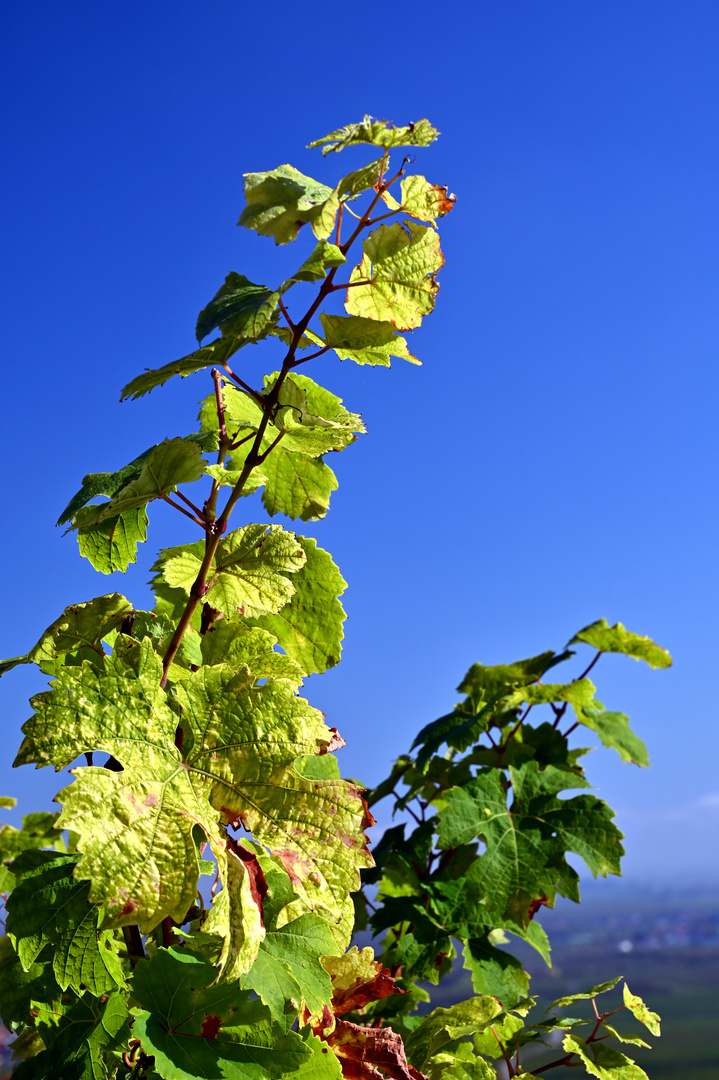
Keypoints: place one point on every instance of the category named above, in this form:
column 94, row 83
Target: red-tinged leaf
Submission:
column 364, row 1051
column 257, row 882
column 361, row 992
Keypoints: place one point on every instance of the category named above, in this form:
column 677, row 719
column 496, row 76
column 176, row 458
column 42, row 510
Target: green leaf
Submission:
column 423, row 200
column 297, row 486
column 632, row 1040
column 484, row 683
column 83, row 1042
column 579, row 694
column 400, row 263
column 365, row 341
column 322, row 1065
column 637, row 1007
column 154, row 474
column 288, row 969
column 524, row 860
column 454, row 1067
column 80, row 627
column 237, row 763
column 603, row 1061
column 444, row 1026
column 614, row 731
column 378, row 133
column 309, row 628
column 22, row 991
column 218, row 352
column 616, row 639
column 112, row 545
column 495, row 972
column 600, row 988
column 248, row 311
column 324, row 257
column 249, row 571
column 233, row 642
column 194, row 1028
column 50, row 907
column 280, row 201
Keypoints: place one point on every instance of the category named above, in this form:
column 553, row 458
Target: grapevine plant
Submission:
column 189, row 912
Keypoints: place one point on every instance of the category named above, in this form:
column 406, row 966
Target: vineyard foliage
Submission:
column 190, row 910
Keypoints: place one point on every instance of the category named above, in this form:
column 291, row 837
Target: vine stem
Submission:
column 216, row 528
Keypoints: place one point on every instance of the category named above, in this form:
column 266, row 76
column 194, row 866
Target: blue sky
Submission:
column 553, row 461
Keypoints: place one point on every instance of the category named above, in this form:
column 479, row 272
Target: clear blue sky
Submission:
column 555, row 458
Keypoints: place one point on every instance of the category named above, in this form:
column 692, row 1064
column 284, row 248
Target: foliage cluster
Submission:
column 189, row 912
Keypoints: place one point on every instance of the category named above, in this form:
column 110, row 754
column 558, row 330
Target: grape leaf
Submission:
column 21, row 991
column 236, row 764
column 444, row 1026
column 423, row 200
column 637, row 1007
column 248, row 311
column 399, row 264
column 526, row 843
column 217, row 352
column 248, row 573
column 366, row 341
column 155, row 473
column 297, row 486
column 614, row 731
column 357, row 980
column 112, row 545
column 82, row 1043
column 309, row 628
column 194, row 1028
column 324, row 257
column 378, row 133
column 363, row 1051
column 495, row 971
column 49, row 906
column 603, row 1061
column 600, row 988
column 233, row 642
column 280, row 201
column 288, row 968
column 616, row 639
column 81, row 627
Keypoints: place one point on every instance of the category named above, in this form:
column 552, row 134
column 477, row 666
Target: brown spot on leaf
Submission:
column 130, row 906
column 210, row 1026
column 153, row 799
column 535, row 905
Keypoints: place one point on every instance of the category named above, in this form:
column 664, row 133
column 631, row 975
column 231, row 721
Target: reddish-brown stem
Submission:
column 283, row 309
column 167, row 931
column 381, row 217
column 588, row 669
column 407, row 808
column 503, row 746
column 192, row 517
column 269, row 449
column 338, row 230
column 187, row 502
column 239, row 442
column 312, row 356
column 133, row 942
column 241, row 383
column 350, row 285
column 507, row 1060
column 216, row 528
